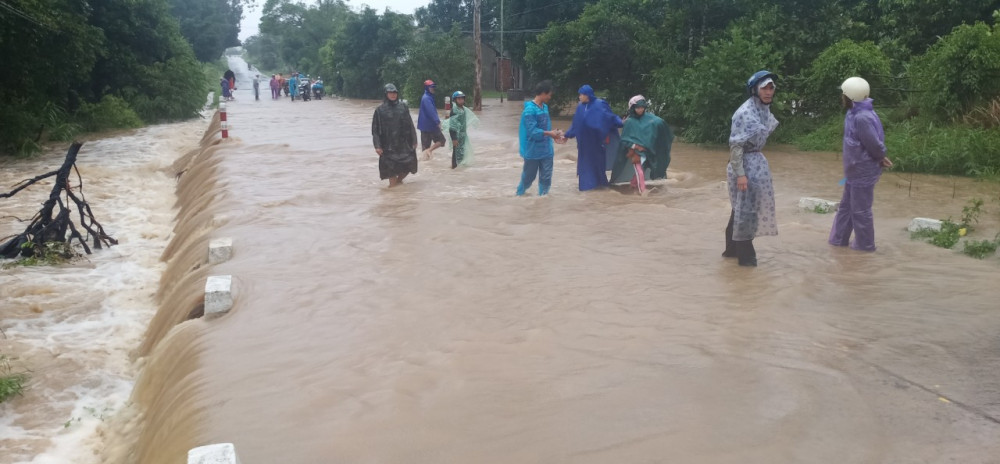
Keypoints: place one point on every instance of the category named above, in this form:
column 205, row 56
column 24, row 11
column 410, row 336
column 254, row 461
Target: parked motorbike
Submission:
column 304, row 90
column 318, row 89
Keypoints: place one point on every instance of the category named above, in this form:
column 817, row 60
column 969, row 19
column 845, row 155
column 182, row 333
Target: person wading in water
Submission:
column 395, row 138
column 864, row 159
column 751, row 191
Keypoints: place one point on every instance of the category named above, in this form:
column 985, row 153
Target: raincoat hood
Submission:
column 589, row 92
column 637, row 104
column 863, row 105
column 752, row 124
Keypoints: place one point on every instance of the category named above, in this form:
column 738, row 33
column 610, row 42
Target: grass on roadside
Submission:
column 11, row 383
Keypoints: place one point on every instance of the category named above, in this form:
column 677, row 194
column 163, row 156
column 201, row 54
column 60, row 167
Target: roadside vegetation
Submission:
column 12, row 382
column 72, row 67
column 951, row 233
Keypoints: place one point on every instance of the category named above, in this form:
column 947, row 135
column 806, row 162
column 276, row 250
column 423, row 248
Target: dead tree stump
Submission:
column 54, row 223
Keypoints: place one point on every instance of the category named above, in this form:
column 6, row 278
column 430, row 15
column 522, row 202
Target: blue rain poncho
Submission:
column 462, row 119
column 428, row 119
column 592, row 124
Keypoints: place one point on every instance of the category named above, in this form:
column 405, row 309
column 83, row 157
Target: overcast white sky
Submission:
column 251, row 19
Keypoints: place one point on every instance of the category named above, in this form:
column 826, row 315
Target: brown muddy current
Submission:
column 447, row 320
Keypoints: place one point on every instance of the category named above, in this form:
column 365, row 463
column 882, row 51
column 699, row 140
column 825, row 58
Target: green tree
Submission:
column 838, row 62
column 704, row 98
column 916, row 24
column 445, row 58
column 958, row 72
column 613, row 45
column 441, row 15
column 293, row 34
column 61, row 56
column 145, row 60
column 368, row 51
column 210, row 26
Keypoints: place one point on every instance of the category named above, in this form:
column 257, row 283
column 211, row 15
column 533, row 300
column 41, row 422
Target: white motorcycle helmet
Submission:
column 856, row 88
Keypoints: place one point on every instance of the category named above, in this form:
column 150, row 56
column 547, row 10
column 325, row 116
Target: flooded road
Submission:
column 449, row 321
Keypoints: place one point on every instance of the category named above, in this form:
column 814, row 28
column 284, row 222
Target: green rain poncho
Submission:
column 461, row 120
column 653, row 134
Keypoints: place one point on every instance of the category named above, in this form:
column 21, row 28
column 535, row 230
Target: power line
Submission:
column 25, row 16
column 543, row 7
column 519, row 31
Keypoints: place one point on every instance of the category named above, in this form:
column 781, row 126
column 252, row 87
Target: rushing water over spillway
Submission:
column 447, row 320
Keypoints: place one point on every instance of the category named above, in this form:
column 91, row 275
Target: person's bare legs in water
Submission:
column 394, row 181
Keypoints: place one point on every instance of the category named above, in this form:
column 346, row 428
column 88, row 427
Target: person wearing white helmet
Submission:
column 864, row 159
column 751, row 191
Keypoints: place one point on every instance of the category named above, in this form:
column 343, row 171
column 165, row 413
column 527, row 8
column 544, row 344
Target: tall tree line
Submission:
column 71, row 65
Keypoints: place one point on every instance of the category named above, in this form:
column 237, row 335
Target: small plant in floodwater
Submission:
column 971, row 213
column 11, row 383
column 821, row 209
column 947, row 237
column 981, row 249
column 53, row 253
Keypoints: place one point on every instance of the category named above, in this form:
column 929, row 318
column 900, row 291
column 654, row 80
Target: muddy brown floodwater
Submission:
column 449, row 321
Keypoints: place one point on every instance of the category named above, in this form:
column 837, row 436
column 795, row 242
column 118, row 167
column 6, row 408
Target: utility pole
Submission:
column 503, row 83
column 477, row 91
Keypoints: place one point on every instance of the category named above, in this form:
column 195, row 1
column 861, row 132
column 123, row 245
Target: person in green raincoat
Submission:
column 457, row 124
column 457, row 128
column 644, row 147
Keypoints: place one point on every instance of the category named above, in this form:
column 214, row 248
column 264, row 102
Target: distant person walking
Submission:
column 230, row 76
column 293, row 85
column 429, row 123
column 536, row 137
column 256, row 87
column 751, row 191
column 864, row 159
column 227, row 94
column 275, row 87
column 395, row 138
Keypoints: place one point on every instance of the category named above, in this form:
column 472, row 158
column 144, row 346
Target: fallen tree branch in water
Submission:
column 50, row 225
column 26, row 183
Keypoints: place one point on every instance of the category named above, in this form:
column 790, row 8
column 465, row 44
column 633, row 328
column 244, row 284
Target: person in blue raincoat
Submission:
column 592, row 124
column 429, row 123
column 293, row 85
column 536, row 137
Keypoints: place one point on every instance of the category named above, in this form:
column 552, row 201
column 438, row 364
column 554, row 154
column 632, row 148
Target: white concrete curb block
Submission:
column 811, row 204
column 222, row 453
column 220, row 250
column 218, row 294
column 918, row 224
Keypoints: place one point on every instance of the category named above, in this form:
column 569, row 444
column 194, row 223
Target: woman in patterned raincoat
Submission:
column 751, row 191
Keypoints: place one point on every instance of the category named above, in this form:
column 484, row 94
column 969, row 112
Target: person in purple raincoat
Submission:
column 864, row 159
column 227, row 93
